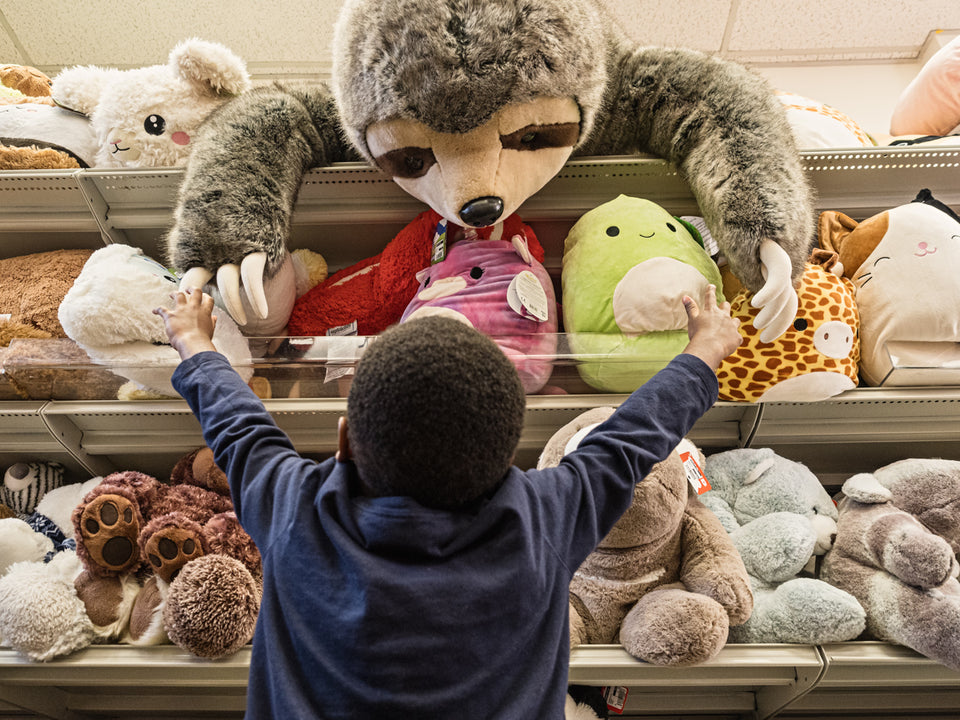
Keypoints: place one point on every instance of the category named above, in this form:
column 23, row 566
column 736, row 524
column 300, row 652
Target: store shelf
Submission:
column 748, row 681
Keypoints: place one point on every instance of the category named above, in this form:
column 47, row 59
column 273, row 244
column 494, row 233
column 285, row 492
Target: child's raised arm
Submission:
column 190, row 322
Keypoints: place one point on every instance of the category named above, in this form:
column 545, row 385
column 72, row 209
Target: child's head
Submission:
column 434, row 413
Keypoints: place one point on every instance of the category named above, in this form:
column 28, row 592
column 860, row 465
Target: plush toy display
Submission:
column 154, row 563
column 109, row 313
column 472, row 107
column 904, row 265
column 667, row 581
column 816, row 358
column 930, row 104
column 498, row 287
column 626, row 266
column 780, row 517
column 148, row 116
column 897, row 540
column 33, row 287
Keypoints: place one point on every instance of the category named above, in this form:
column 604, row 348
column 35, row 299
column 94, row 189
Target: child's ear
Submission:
column 343, row 443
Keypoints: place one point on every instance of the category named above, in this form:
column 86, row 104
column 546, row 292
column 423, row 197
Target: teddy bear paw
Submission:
column 171, row 547
column 109, row 527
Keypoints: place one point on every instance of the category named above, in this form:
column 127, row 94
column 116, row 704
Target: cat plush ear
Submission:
column 851, row 241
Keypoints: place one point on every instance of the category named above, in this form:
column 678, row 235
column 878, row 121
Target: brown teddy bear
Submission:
column 667, row 581
column 168, row 561
column 33, row 84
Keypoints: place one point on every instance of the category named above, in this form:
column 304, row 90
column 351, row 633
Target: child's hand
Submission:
column 190, row 323
column 713, row 333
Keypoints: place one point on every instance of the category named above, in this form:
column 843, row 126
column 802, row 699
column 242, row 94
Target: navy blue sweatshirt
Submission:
column 383, row 608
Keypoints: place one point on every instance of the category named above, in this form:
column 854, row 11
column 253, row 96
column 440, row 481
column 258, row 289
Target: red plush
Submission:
column 374, row 292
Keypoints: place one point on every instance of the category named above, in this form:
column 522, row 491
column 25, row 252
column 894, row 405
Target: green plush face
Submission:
column 626, row 266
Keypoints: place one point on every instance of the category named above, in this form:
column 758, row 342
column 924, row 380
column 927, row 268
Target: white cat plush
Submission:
column 904, row 264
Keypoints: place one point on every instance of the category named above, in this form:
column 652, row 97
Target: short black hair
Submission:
column 435, row 413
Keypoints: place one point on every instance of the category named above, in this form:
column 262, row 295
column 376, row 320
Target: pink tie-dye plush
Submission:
column 471, row 284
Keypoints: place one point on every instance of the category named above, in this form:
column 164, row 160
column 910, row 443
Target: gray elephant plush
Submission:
column 779, row 517
column 896, row 548
column 472, row 106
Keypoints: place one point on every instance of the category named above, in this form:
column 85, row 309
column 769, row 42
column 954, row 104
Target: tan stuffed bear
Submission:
column 667, row 581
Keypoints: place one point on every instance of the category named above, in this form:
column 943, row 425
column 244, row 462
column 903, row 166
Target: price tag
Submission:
column 527, row 298
column 616, row 697
column 695, row 475
column 341, row 356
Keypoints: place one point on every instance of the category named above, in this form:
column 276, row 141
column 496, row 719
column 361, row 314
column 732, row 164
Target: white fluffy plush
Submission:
column 58, row 504
column 40, row 613
column 109, row 313
column 147, row 117
column 20, row 543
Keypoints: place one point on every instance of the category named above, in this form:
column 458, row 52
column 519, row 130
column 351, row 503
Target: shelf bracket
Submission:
column 774, row 699
column 65, row 432
column 749, row 424
column 99, row 209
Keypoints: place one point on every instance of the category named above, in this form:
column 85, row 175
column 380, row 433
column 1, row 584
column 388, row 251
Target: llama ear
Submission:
column 865, row 488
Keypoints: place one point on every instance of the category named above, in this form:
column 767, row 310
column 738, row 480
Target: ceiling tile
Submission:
column 667, row 22
column 116, row 33
column 837, row 29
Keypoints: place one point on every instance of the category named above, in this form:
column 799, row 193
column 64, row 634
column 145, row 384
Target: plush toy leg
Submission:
column 802, row 610
column 674, row 627
column 146, row 618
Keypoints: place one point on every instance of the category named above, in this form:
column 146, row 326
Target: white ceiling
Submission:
column 289, row 38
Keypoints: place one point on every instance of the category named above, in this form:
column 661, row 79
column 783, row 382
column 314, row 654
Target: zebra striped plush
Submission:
column 25, row 483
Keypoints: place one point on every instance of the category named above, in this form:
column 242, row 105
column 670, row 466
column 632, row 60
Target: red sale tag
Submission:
column 616, row 697
column 694, row 474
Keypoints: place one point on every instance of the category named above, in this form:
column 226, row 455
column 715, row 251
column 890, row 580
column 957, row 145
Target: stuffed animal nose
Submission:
column 482, row 211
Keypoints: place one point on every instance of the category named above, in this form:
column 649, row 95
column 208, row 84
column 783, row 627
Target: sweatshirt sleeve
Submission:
column 248, row 446
column 584, row 496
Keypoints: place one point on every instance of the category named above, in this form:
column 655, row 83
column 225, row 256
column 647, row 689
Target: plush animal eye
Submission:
column 426, row 281
column 671, row 227
column 154, row 125
column 476, row 272
column 613, row 231
column 407, row 162
column 800, row 324
column 535, row 137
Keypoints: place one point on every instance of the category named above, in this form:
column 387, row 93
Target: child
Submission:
column 421, row 575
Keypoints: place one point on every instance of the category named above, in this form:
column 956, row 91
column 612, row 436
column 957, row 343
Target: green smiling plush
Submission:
column 626, row 266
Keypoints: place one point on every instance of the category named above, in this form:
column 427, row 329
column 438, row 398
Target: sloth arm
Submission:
column 242, row 178
column 725, row 131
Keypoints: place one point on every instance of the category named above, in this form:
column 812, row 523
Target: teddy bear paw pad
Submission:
column 169, row 549
column 109, row 528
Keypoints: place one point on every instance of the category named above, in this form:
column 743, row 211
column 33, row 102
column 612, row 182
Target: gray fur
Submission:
column 451, row 64
column 238, row 193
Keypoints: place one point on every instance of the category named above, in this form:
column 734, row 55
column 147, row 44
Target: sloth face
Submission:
column 476, row 178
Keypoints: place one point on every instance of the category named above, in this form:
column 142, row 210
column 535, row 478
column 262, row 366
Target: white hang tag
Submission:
column 616, row 698
column 342, row 356
column 439, row 243
column 527, row 298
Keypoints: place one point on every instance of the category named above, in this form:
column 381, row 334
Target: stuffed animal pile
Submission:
column 474, row 107
column 666, row 582
column 155, row 562
column 780, row 517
